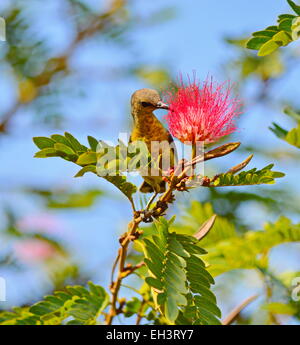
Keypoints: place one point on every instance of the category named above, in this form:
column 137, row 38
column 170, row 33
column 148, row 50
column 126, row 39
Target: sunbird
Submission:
column 147, row 128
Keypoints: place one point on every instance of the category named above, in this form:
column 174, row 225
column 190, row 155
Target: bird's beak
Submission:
column 161, row 105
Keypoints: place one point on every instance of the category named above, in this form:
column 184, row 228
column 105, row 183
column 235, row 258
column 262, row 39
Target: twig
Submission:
column 140, row 312
column 131, row 288
column 236, row 311
column 5, row 119
column 131, row 234
column 129, row 269
column 151, row 200
column 114, row 268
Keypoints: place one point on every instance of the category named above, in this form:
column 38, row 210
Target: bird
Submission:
column 147, row 128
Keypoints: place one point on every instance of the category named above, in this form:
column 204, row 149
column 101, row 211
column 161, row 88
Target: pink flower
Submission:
column 204, row 113
column 40, row 223
column 34, row 249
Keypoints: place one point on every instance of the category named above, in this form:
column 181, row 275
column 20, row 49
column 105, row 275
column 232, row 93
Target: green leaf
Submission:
column 245, row 251
column 43, row 142
column 154, row 252
column 61, row 139
column 69, row 148
column 87, row 158
column 155, row 269
column 195, row 214
column 87, row 168
column 292, row 113
column 171, row 309
column 270, row 39
column 132, row 307
column 272, row 28
column 45, row 153
column 208, row 317
column 268, row 48
column 154, row 283
column 62, row 148
column 203, row 291
column 265, row 33
column 127, row 188
column 285, row 16
column 78, row 302
column 250, row 177
column 75, row 143
column 177, row 248
column 280, row 308
column 295, row 7
column 18, row 316
column 65, row 199
column 278, row 131
column 282, row 38
column 180, row 275
column 286, row 25
column 293, row 136
column 203, row 303
column 93, row 143
column 256, row 42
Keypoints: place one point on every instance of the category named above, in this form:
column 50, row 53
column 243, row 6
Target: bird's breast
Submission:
column 149, row 129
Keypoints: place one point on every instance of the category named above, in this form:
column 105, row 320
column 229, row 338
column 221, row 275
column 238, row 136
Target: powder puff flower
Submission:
column 202, row 112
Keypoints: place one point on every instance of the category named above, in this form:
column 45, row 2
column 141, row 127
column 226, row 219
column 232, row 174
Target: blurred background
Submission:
column 72, row 65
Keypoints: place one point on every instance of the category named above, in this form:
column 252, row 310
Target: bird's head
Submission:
column 146, row 101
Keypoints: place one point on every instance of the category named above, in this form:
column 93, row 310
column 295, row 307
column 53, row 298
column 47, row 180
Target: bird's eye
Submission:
column 146, row 104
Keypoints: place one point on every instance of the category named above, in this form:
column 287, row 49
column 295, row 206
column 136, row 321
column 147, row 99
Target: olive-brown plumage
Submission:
column 148, row 128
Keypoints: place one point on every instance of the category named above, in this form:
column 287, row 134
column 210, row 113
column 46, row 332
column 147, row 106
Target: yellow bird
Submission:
column 148, row 128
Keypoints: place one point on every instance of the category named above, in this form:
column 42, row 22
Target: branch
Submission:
column 5, row 119
column 140, row 312
column 131, row 235
column 236, row 311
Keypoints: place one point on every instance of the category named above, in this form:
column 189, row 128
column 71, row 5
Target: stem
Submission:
column 7, row 117
column 140, row 312
column 194, row 155
column 150, row 201
column 194, row 151
column 114, row 268
column 236, row 311
column 268, row 278
column 115, row 286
